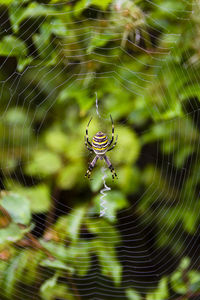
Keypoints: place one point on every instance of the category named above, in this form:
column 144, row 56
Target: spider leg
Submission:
column 90, row 149
column 113, row 129
column 113, row 144
column 110, row 167
column 91, row 166
column 87, row 137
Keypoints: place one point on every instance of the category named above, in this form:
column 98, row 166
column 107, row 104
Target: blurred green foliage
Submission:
column 142, row 60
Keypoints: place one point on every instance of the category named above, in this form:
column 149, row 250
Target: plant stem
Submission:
column 51, row 214
column 5, row 213
column 38, row 245
column 188, row 295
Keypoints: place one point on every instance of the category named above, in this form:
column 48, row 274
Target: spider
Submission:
column 100, row 145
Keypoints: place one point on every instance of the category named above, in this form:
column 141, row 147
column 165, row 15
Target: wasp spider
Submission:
column 100, row 145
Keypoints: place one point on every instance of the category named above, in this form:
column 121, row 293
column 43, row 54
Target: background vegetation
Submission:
column 142, row 59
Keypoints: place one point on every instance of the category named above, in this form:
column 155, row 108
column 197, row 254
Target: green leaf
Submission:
column 22, row 62
column 96, row 181
column 178, row 284
column 194, row 280
column 12, row 46
column 128, row 179
column 195, row 287
column 18, row 208
column 12, row 233
column 157, row 184
column 82, row 262
column 184, row 264
column 115, row 201
column 58, row 27
column 83, row 4
column 181, row 155
column 43, row 43
column 190, row 91
column 69, row 175
column 102, row 4
column 33, row 10
column 51, row 289
column 7, row 163
column 6, row 2
column 75, row 220
column 16, row 126
column 161, row 291
column 76, row 254
column 61, row 226
column 32, row 266
column 15, row 116
column 56, row 140
column 110, row 266
column 80, row 95
column 58, row 250
column 127, row 139
column 14, row 272
column 79, row 255
column 56, row 264
column 104, row 230
column 48, row 287
column 70, row 225
column 98, row 40
column 131, row 294
column 74, row 148
column 38, row 195
column 43, row 163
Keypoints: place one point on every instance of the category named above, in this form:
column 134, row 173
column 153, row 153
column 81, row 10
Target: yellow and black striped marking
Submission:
column 100, row 143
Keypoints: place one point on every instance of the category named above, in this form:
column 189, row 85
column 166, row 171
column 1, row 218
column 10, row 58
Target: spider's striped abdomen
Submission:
column 100, row 143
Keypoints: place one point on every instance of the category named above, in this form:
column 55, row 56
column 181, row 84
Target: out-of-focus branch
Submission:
column 188, row 296
column 74, row 288
column 51, row 214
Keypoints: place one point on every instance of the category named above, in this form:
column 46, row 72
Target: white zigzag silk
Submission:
column 105, row 189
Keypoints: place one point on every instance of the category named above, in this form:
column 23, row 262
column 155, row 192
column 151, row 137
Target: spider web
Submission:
column 141, row 261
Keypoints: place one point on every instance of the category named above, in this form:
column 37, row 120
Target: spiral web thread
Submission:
column 137, row 260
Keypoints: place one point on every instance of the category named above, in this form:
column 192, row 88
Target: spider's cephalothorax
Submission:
column 100, row 145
